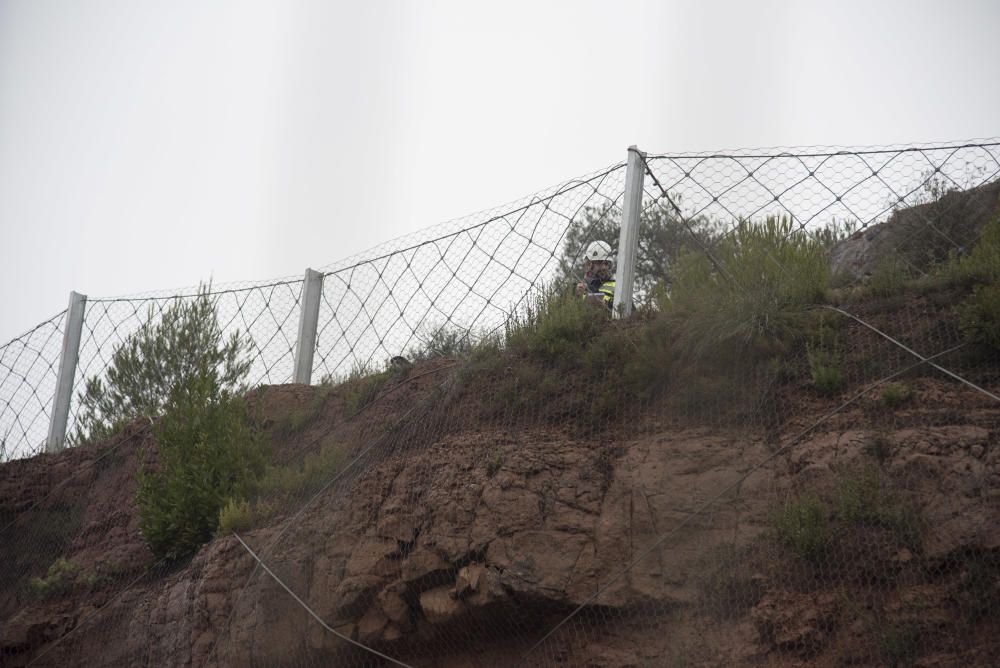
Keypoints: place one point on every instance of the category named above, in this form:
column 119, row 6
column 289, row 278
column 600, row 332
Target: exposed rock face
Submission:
column 451, row 541
column 921, row 234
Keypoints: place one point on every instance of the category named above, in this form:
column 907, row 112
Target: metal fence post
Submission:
column 628, row 242
column 312, row 290
column 67, row 372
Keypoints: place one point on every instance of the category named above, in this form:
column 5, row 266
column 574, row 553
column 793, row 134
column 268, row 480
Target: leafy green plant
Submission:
column 152, row 361
column 825, row 369
column 208, row 451
column 979, row 316
column 61, row 578
column 864, row 498
column 982, row 263
column 277, row 487
column 896, row 394
column 494, row 461
column 802, row 525
column 861, row 496
column 235, row 516
column 304, row 477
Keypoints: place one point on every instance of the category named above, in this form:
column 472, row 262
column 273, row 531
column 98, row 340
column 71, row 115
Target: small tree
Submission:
column 151, row 362
column 208, row 452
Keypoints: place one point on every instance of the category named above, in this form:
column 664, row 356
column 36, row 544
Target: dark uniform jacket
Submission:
column 603, row 287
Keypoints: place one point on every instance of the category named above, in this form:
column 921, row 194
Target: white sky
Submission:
column 148, row 145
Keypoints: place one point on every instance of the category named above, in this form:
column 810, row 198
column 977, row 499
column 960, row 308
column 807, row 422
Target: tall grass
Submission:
column 555, row 327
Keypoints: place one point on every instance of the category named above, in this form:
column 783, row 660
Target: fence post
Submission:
column 67, row 371
column 312, row 290
column 628, row 242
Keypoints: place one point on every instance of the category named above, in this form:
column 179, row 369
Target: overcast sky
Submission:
column 147, row 145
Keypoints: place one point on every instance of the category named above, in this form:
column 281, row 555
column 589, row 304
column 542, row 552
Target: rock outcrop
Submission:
column 920, row 235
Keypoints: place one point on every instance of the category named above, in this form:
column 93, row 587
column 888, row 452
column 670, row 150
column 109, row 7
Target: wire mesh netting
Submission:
column 29, row 369
column 467, row 276
column 265, row 315
column 788, row 456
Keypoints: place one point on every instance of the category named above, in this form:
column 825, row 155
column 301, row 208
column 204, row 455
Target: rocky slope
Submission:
column 458, row 544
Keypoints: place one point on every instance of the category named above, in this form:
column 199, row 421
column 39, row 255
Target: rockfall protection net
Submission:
column 790, row 454
column 29, row 369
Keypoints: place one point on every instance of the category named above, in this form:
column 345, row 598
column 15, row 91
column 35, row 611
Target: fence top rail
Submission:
column 827, row 151
column 47, row 321
column 192, row 291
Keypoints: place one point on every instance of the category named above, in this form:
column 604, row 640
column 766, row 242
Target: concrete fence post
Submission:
column 628, row 242
column 67, row 372
column 305, row 346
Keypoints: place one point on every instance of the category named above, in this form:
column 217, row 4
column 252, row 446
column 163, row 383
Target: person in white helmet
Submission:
column 598, row 282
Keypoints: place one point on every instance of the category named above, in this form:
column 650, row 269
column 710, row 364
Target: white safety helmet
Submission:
column 599, row 251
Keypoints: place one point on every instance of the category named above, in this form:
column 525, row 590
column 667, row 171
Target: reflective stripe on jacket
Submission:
column 608, row 290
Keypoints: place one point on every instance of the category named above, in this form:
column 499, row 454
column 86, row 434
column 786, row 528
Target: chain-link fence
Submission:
column 789, row 455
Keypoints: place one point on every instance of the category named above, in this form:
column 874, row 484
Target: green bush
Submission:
column 152, row 361
column 861, row 497
column 62, row 578
column 825, row 369
column 889, row 277
column 302, row 478
column 494, row 460
column 895, row 394
column 802, row 525
column 235, row 516
column 982, row 264
column 754, row 286
column 979, row 316
column 278, row 486
column 864, row 499
column 208, row 451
